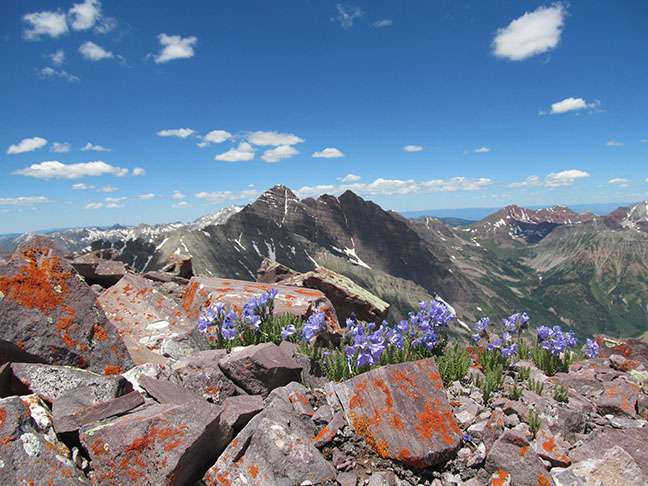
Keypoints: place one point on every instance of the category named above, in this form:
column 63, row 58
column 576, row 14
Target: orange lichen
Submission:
column 382, row 448
column 99, row 333
column 254, row 471
column 3, row 417
column 500, row 479
column 113, row 370
column 322, row 433
column 436, row 420
column 523, row 450
column 543, row 481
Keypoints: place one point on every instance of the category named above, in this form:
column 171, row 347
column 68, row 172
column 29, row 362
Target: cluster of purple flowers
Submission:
column 368, row 346
column 254, row 312
column 555, row 340
column 516, row 322
column 512, row 325
column 591, row 348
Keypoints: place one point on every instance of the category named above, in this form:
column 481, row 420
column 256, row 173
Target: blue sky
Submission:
column 153, row 111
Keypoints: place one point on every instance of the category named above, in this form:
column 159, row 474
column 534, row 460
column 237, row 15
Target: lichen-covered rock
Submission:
column 619, row 398
column 29, row 453
column 615, row 467
column 162, row 444
column 552, row 448
column 402, row 412
column 155, row 328
column 49, row 311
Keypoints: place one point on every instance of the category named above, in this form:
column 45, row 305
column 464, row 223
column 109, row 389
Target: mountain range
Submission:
column 580, row 270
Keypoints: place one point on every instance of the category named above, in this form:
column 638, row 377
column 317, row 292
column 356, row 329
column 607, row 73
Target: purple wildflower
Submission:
column 591, row 348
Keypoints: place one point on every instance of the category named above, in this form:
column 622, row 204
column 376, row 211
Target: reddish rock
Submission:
column 271, row 272
column 10, row 353
column 260, row 369
column 163, row 391
column 163, row 444
column 597, row 443
column 50, row 312
column 96, row 270
column 552, row 448
column 327, row 434
column 205, row 291
column 180, row 266
column 154, row 326
column 402, row 412
column 634, row 350
column 28, row 453
column 240, row 409
column 619, row 398
column 201, row 374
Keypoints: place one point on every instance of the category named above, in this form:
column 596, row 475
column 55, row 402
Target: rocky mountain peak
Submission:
column 633, row 217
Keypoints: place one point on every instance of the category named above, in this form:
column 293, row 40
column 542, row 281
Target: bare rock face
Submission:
column 29, row 451
column 97, row 270
column 402, row 412
column 162, row 444
column 271, row 271
column 155, row 327
column 47, row 310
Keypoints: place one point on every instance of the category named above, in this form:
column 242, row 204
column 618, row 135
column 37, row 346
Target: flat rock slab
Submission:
column 51, row 382
column 402, row 412
column 274, row 448
column 97, row 270
column 163, row 444
column 49, row 311
column 154, row 327
column 615, row 467
column 260, row 369
column 30, row 455
column 201, row 374
column 512, row 455
column 163, row 391
column 552, row 448
column 597, row 443
column 240, row 409
column 205, row 291
column 619, row 398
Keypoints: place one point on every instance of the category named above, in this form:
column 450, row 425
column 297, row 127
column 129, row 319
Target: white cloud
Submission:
column 329, row 153
column 57, row 57
column 532, row 33
column 81, row 186
column 92, row 52
column 215, row 136
column 49, row 72
column 644, row 140
column 243, row 152
column 181, row 204
column 84, row 15
column 178, row 195
column 96, row 148
column 279, row 153
column 412, row 148
column 273, row 138
column 176, row 132
column 349, row 177
column 482, row 150
column 106, row 189
column 568, row 104
column 113, row 205
column 564, row 178
column 382, row 23
column 175, row 47
column 138, row 171
column 145, row 197
column 115, row 199
column 347, row 14
column 45, row 23
column 27, row 145
column 24, row 200
column 105, row 25
column 618, row 180
column 219, row 197
column 61, row 148
column 529, row 181
column 94, row 206
column 614, row 143
column 57, row 170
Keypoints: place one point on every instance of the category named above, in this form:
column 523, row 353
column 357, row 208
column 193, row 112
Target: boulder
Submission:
column 154, row 326
column 47, row 310
column 259, row 369
column 163, row 391
column 597, row 443
column 615, row 467
column 96, row 270
column 552, row 448
column 271, row 272
column 402, row 412
column 240, row 409
column 29, row 452
column 619, row 398
column 180, row 266
column 162, row 444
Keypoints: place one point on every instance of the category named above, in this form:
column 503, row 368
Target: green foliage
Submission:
column 490, row 359
column 453, row 364
column 534, row 422
column 515, row 391
column 524, row 373
column 536, row 386
column 491, row 382
column 523, row 349
column 551, row 363
column 269, row 331
column 561, row 393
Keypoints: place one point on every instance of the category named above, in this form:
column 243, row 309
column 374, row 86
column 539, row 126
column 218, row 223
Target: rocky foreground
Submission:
column 106, row 380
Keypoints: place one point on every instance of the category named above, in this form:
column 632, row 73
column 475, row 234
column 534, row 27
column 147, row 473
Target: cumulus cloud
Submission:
column 144, row 197
column 273, row 138
column 90, row 187
column 614, row 143
column 84, row 15
column 412, row 148
column 346, row 14
column 529, row 181
column 96, row 148
column 618, row 180
column 115, row 199
column 279, row 153
column 382, row 23
column 178, row 195
column 56, row 170
column 569, row 104
column 106, row 189
column 81, row 186
column 138, row 171
column 482, row 150
column 390, row 187
column 329, row 153
column 45, row 23
column 181, row 204
column 564, row 178
column 241, row 153
column 532, row 33
column 60, row 147
column 176, row 132
column 94, row 206
column 57, row 57
column 349, row 177
column 27, row 145
column 105, row 25
column 219, row 197
column 175, row 47
column 93, row 52
column 24, row 200
column 50, row 72
column 215, row 136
